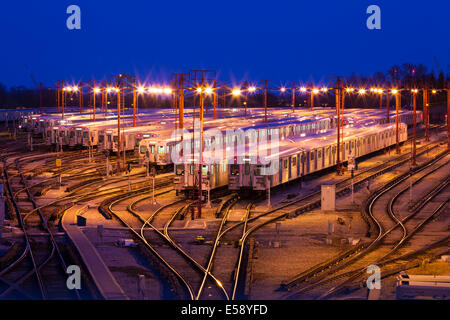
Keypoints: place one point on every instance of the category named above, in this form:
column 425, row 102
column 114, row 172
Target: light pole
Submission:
column 414, row 92
column 140, row 90
column 339, row 100
column 387, row 105
column 95, row 91
column 293, row 97
column 313, row 92
column 425, row 111
column 397, row 95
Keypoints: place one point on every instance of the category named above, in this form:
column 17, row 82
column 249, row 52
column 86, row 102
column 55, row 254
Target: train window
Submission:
column 101, row 138
column 143, row 149
column 192, row 169
column 353, row 144
column 247, row 168
column 152, row 148
column 160, row 149
column 180, row 169
column 234, row 169
column 294, row 161
column 72, row 134
column 85, row 135
column 204, row 170
column 115, row 139
column 109, row 138
column 319, row 154
column 312, row 155
column 334, row 149
column 285, row 163
column 258, row 170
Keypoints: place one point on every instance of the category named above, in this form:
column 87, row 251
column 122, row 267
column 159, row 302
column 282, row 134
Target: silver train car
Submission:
column 300, row 157
column 158, row 149
column 216, row 172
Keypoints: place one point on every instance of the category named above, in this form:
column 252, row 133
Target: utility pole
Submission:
column 134, row 106
column 58, row 91
column 413, row 160
column 381, row 99
column 245, row 89
column 265, row 84
column 93, row 85
column 293, row 97
column 398, row 99
column 426, row 111
column 387, row 104
column 118, row 131
column 200, row 79
column 179, row 79
column 215, row 98
column 339, row 100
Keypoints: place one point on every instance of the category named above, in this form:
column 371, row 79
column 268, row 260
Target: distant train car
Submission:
column 312, row 155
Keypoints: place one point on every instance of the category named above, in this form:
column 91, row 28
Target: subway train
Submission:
column 296, row 157
column 300, row 157
column 158, row 148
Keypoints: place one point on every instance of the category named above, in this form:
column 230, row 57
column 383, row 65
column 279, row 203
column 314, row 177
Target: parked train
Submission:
column 158, row 148
column 296, row 157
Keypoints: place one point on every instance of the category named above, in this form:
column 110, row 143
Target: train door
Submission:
column 246, row 179
column 319, row 159
column 191, row 175
column 306, row 162
column 280, row 171
column 290, row 168
column 313, row 163
column 344, row 150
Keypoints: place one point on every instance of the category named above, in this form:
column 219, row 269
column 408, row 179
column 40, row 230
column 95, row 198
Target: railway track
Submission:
column 41, row 257
column 323, row 273
column 160, row 244
column 204, row 277
column 41, row 267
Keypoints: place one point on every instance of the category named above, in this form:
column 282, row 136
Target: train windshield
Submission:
column 160, row 149
column 143, row 149
column 204, row 170
column 101, row 138
column 85, row 135
column 258, row 170
column 180, row 170
column 234, row 170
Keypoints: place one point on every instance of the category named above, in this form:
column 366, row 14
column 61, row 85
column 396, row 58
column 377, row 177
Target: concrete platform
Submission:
column 100, row 273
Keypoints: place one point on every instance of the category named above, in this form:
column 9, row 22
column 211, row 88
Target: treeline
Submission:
column 406, row 76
